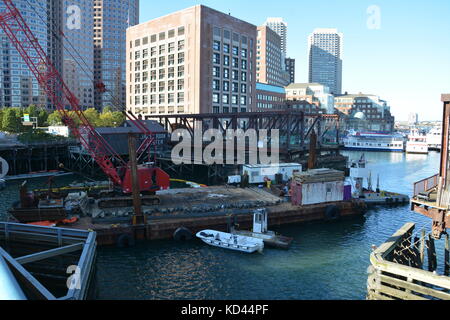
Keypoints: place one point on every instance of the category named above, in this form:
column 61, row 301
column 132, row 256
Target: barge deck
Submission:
column 192, row 210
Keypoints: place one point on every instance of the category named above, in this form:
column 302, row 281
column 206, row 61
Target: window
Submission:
column 145, row 88
column 137, row 66
column 244, row 76
column 226, row 60
column 216, row 84
column 235, row 75
column 145, row 53
column 153, row 87
column 235, row 50
column 215, row 98
column 171, row 85
column 162, row 36
column 162, row 86
column 226, row 86
column 162, row 98
column 225, row 98
column 226, row 48
column 162, row 49
column 137, row 55
column 171, row 33
column 145, row 76
column 243, row 100
column 162, row 61
column 181, row 84
column 226, row 73
column 243, row 88
column 244, row 64
column 153, row 51
column 234, row 99
column 181, row 58
column 170, row 98
column 216, row 71
column 162, row 73
column 172, row 47
column 180, row 45
column 181, row 31
column 216, row 45
column 244, row 53
column 235, row 87
column 171, row 60
column 180, row 97
column 180, row 71
column 153, row 75
column 235, row 62
column 216, row 58
column 145, row 65
column 171, row 73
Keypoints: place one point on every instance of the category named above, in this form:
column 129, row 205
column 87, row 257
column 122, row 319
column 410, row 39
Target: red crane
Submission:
column 151, row 179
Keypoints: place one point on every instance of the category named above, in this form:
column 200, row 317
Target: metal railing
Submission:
column 426, row 184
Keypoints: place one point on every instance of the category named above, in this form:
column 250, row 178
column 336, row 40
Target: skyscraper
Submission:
column 290, row 68
column 111, row 19
column 18, row 86
column 325, row 58
column 197, row 60
column 280, row 27
column 78, row 50
column 270, row 65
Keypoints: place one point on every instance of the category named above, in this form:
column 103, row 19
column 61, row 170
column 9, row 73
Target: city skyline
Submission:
column 376, row 62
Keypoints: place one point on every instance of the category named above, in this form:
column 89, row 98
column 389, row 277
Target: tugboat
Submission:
column 358, row 172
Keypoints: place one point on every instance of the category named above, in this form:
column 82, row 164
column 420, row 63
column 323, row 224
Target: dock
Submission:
column 42, row 263
column 192, row 210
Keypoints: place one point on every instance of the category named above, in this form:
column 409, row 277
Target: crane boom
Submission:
column 51, row 81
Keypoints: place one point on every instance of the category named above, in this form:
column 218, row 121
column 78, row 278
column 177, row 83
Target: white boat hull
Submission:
column 230, row 241
column 420, row 148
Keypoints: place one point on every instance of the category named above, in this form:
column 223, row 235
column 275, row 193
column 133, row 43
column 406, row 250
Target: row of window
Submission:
column 152, row 99
column 216, row 109
column 226, row 74
column 162, row 86
column 155, row 37
column 226, row 86
column 226, row 99
column 161, row 62
column 159, row 109
column 226, row 61
column 217, row 46
column 161, row 50
column 161, row 74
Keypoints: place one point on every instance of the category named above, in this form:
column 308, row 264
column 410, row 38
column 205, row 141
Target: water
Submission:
column 326, row 260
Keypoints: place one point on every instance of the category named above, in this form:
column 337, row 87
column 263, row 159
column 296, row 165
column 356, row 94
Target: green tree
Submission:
column 11, row 121
column 1, row 119
column 92, row 116
column 54, row 119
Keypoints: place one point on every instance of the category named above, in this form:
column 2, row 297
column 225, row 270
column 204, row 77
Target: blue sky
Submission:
column 406, row 61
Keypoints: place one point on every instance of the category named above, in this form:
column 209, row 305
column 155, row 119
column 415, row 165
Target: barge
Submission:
column 193, row 210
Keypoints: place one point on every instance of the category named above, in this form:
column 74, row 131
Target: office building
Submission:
column 111, row 19
column 78, row 50
column 325, row 58
column 18, row 86
column 290, row 69
column 270, row 61
column 280, row 27
column 196, row 60
column 314, row 93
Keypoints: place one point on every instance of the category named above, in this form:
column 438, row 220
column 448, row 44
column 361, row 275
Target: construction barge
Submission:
column 183, row 212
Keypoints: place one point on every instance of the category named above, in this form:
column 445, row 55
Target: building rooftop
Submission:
column 302, row 85
column 269, row 88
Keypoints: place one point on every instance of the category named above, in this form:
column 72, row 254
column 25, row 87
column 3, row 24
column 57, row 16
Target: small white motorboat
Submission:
column 231, row 241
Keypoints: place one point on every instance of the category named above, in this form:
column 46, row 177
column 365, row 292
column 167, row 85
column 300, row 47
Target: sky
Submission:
column 404, row 56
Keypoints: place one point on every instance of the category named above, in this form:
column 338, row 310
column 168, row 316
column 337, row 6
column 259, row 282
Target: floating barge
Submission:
column 192, row 210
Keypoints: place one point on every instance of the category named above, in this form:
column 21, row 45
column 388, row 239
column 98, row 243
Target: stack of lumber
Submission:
column 318, row 175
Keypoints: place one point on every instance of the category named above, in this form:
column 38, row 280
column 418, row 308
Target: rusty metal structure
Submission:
column 294, row 126
column 432, row 195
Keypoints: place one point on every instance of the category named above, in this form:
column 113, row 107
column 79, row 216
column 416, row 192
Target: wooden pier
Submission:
column 397, row 269
column 49, row 263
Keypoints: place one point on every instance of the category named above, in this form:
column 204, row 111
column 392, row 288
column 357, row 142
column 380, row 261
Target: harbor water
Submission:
column 326, row 260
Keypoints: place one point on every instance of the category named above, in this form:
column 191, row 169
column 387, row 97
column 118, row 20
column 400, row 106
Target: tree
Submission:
column 11, row 122
column 54, row 119
column 92, row 116
column 1, row 119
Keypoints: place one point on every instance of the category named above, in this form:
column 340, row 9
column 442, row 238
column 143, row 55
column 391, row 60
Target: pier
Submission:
column 48, row 263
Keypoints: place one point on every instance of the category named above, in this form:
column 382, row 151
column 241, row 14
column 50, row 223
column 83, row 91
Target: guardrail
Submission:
column 42, row 243
column 426, row 184
column 395, row 272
